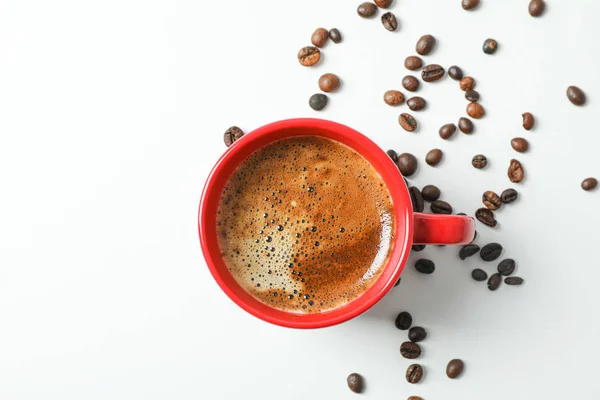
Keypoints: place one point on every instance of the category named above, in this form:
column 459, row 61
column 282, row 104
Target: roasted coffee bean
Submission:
column 528, row 121
column 410, row 350
column 393, row 98
column 509, row 195
column 506, row 267
column 516, row 173
column 393, row 155
column 407, row 122
column 470, row 4
column 467, row 83
column 513, row 281
column 417, row 334
column 416, row 199
column 356, row 383
column 447, row 131
column 425, row 266
column 465, row 125
column 479, row 275
column 416, row 103
column 472, row 95
column 367, row 10
column 536, row 8
column 455, row 367
column 441, row 207
column 418, row 247
column 432, row 73
column 407, row 163
column 329, row 82
column 519, row 144
column 319, row 37
column 455, row 73
column 425, row 44
column 589, row 184
column 403, row 321
column 335, row 35
column 415, row 398
column 309, row 56
column 318, row 101
column 494, row 282
column 410, row 83
column 576, row 95
column 430, row 193
column 490, row 46
column 468, row 250
column 413, row 63
column 231, row 135
column 486, row 216
column 414, row 373
column 383, row 3
column 479, row 161
column 491, row 200
column 398, row 282
column 490, row 251
column 475, row 110
column 434, row 157
column 389, row 21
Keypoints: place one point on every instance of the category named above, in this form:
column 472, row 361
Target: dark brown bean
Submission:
column 432, row 73
column 528, row 121
column 416, row 103
column 441, row 207
column 486, row 217
column 393, row 98
column 335, row 35
column 479, row 161
column 309, row 56
column 410, row 350
column 318, row 101
column 490, row 46
column 417, row 334
column 383, row 3
column 431, row 193
column 389, row 21
column 410, row 83
column 393, row 155
column 231, row 135
column 416, row 198
column 455, row 367
column 520, row 144
column 494, row 282
column 407, row 122
column 472, row 95
column 576, row 95
column 403, row 321
column 319, row 37
column 475, row 110
column 491, row 200
column 467, row 83
column 418, row 247
column 513, row 281
column 434, row 157
column 407, row 163
column 506, row 267
column 447, row 131
column 465, row 125
column 516, row 173
column 413, row 63
column 414, row 373
column 509, row 195
column 589, row 184
column 415, row 398
column 491, row 251
column 536, row 8
column 367, row 10
column 479, row 275
column 468, row 250
column 329, row 82
column 455, row 73
column 356, row 383
column 425, row 45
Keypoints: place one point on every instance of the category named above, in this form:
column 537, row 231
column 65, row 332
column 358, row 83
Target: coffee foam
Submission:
column 305, row 224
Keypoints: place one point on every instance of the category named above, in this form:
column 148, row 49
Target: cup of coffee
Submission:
column 307, row 223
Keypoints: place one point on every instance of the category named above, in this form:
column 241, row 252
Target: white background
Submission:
column 112, row 114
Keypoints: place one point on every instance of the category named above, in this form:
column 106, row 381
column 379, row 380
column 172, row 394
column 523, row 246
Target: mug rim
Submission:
column 260, row 137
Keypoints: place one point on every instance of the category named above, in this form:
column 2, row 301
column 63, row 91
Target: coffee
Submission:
column 305, row 224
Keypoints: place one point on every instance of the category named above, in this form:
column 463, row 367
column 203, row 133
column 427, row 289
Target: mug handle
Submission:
column 443, row 229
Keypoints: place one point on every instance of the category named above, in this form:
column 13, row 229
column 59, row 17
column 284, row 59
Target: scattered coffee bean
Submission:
column 383, row 3
column 335, row 35
column 398, row 282
column 490, row 251
column 389, row 21
column 414, row 373
column 413, row 63
column 470, row 4
column 416, row 103
column 513, row 281
column 479, row 161
column 519, row 144
column 319, row 37
column 407, row 163
column 576, row 95
column 418, row 247
column 393, row 155
column 589, row 184
column 455, row 367
column 367, row 10
column 416, row 199
column 491, row 200
column 509, row 195
column 455, row 73
column 393, row 98
column 410, row 350
column 516, row 173
column 410, row 83
column 407, row 122
column 506, row 267
column 465, row 125
column 425, row 266
column 447, row 131
column 417, row 334
column 231, row 135
column 490, row 46
column 441, row 207
column 309, row 56
column 329, row 82
column 472, row 95
column 355, row 383
column 403, row 321
column 479, row 275
column 475, row 110
column 415, row 398
column 317, row 101
column 434, row 157
column 467, row 83
column 425, row 44
column 486, row 216
column 536, row 8
column 468, row 250
column 432, row 73
column 494, row 282
column 430, row 193
column 528, row 121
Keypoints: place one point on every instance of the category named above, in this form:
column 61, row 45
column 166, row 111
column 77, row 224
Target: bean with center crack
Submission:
column 490, row 251
column 506, row 267
column 509, row 195
column 516, row 173
column 486, row 217
column 441, row 207
column 407, row 122
column 491, row 200
column 231, row 135
column 468, row 250
column 410, row 350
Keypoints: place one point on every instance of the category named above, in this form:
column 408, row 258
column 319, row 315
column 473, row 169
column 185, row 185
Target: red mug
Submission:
column 411, row 227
